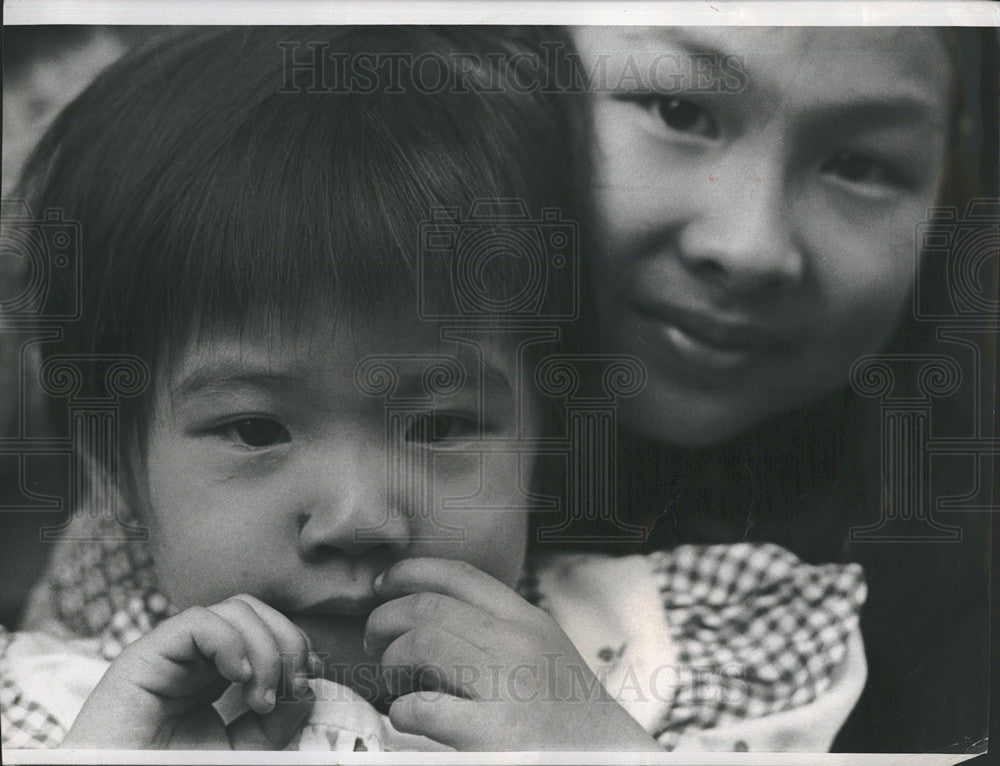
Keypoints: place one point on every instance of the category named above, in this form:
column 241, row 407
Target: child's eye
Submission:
column 441, row 428
column 257, row 433
column 857, row 168
column 680, row 115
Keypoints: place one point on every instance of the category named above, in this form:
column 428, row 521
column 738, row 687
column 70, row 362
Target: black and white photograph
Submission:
column 511, row 382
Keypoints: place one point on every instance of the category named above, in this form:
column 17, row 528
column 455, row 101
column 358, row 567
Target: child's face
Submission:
column 265, row 460
column 760, row 238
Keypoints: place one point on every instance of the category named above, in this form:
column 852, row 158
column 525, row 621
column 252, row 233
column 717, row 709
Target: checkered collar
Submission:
column 100, row 584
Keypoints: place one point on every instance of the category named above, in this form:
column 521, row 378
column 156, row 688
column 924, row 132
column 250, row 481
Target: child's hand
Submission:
column 491, row 671
column 159, row 691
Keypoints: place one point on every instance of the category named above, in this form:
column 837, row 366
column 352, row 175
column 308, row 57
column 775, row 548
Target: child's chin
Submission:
column 338, row 640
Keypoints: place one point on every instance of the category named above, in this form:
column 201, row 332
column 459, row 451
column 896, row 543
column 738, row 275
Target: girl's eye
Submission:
column 257, row 433
column 857, row 168
column 441, row 428
column 683, row 116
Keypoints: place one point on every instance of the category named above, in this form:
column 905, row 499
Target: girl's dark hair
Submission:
column 214, row 183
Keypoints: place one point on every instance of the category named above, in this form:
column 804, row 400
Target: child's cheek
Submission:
column 202, row 554
column 488, row 509
column 228, row 464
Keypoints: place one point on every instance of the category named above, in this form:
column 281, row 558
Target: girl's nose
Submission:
column 351, row 513
column 740, row 238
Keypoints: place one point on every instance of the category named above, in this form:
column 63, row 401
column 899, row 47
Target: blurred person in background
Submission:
column 44, row 68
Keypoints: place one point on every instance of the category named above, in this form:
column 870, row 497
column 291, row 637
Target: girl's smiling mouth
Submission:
column 704, row 346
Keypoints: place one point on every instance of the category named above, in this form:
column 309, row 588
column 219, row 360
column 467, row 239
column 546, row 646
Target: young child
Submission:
column 254, row 239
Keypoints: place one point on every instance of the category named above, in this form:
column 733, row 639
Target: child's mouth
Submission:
column 341, row 606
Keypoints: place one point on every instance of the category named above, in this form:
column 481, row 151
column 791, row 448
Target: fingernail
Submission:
column 315, row 665
column 246, row 670
column 378, row 580
column 300, row 684
column 268, row 698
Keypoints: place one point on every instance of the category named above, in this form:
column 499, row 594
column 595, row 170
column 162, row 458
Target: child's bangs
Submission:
column 282, row 225
column 224, row 202
column 311, row 211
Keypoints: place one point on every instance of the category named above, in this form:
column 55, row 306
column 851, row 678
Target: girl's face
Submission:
column 758, row 191
column 267, row 472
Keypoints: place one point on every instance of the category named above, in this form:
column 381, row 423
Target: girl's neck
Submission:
column 771, row 482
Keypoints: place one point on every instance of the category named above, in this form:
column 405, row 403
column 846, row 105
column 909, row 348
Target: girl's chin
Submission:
column 688, row 416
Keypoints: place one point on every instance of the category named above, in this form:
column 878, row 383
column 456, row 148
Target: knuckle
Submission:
column 427, row 607
column 202, row 616
column 411, row 711
column 465, row 569
column 198, row 613
column 240, row 602
column 489, row 625
column 423, row 643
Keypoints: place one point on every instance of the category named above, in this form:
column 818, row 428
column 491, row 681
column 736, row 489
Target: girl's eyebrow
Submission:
column 903, row 105
column 683, row 38
column 881, row 109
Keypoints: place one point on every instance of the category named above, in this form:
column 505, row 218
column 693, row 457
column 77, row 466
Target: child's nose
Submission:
column 740, row 237
column 351, row 513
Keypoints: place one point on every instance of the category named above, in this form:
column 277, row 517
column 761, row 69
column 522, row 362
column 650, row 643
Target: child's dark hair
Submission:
column 206, row 194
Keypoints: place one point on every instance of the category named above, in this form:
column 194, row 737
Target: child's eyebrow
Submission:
column 490, row 380
column 229, row 373
column 226, row 374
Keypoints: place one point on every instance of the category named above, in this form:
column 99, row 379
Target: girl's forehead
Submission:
column 789, row 41
column 786, row 66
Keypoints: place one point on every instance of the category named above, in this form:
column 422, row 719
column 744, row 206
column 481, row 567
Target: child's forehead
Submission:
column 336, row 355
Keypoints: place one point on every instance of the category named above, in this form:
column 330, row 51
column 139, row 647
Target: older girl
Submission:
column 759, row 209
